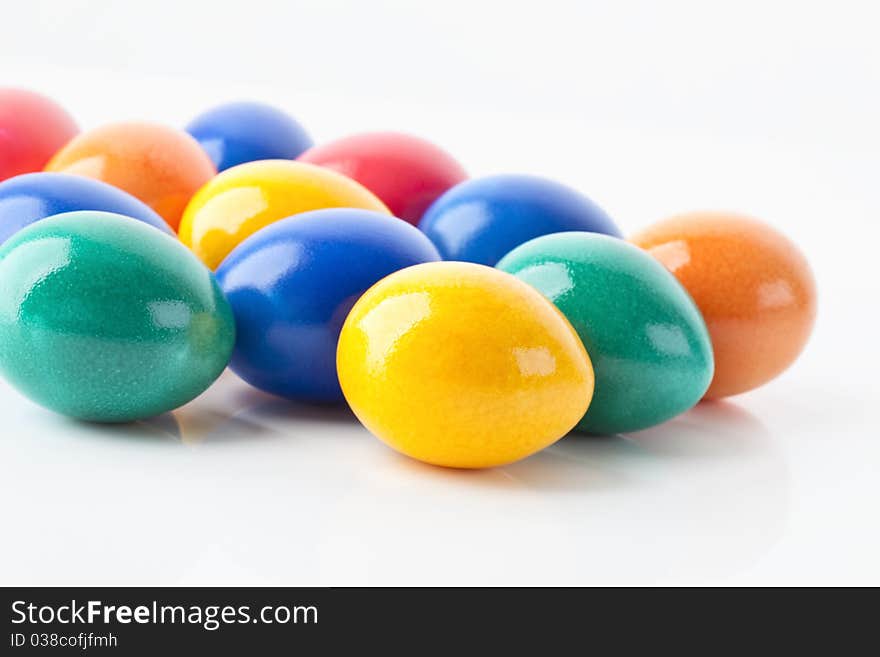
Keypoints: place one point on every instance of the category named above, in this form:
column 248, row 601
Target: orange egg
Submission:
column 754, row 287
column 161, row 166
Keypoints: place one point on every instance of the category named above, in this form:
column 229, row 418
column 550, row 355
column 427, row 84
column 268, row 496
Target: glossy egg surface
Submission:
column 245, row 131
column 32, row 129
column 35, row 196
column 161, row 166
column 407, row 172
column 104, row 318
column 649, row 346
column 482, row 219
column 292, row 284
column 753, row 286
column 243, row 199
column 462, row 365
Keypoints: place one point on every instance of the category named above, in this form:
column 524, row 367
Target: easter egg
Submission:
column 649, row 346
column 292, row 284
column 32, row 129
column 161, row 166
column 462, row 365
column 107, row 319
column 482, row 219
column 243, row 199
column 408, row 173
column 239, row 132
column 35, row 196
column 753, row 286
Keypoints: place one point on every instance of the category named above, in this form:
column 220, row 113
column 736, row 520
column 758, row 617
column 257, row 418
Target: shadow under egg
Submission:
column 161, row 428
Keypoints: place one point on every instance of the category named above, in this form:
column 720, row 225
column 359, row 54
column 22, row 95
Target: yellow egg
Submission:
column 462, row 365
column 245, row 198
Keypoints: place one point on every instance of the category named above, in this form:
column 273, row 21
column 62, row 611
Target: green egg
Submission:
column 651, row 352
column 107, row 319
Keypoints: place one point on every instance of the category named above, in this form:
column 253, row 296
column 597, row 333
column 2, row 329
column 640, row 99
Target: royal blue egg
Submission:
column 33, row 196
column 482, row 219
column 292, row 284
column 235, row 133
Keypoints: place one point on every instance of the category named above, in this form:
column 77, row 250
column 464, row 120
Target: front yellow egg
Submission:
column 462, row 365
column 241, row 200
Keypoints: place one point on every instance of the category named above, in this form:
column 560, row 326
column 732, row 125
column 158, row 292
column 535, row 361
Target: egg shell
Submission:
column 461, row 365
column 104, row 318
column 246, row 131
column 292, row 284
column 34, row 196
column 161, row 166
column 406, row 172
column 243, row 199
column 753, row 286
column 483, row 219
column 32, row 129
column 649, row 346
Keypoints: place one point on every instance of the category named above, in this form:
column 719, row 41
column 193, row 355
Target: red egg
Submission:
column 407, row 173
column 32, row 129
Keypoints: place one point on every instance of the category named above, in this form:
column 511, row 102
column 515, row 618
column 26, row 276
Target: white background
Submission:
column 771, row 108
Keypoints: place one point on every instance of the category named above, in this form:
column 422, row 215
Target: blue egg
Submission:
column 292, row 284
column 241, row 132
column 33, row 196
column 482, row 219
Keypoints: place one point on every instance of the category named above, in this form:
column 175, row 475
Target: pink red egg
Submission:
column 32, row 129
column 407, row 173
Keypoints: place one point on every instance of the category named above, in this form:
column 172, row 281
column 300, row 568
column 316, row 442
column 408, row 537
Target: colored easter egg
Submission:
column 35, row 196
column 104, row 318
column 239, row 132
column 649, row 346
column 292, row 284
column 462, row 365
column 754, row 287
column 161, row 166
column 243, row 199
column 32, row 129
column 408, row 173
column 482, row 219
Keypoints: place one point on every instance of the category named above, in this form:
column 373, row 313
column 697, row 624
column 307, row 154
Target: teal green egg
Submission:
column 104, row 318
column 651, row 352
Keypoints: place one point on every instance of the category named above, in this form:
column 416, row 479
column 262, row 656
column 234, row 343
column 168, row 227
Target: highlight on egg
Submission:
column 482, row 219
column 461, row 365
column 292, row 284
column 648, row 343
column 753, row 286
column 160, row 165
column 406, row 172
column 32, row 129
column 31, row 197
column 242, row 200
column 246, row 131
column 104, row 318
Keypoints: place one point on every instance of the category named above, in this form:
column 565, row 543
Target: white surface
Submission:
column 650, row 108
